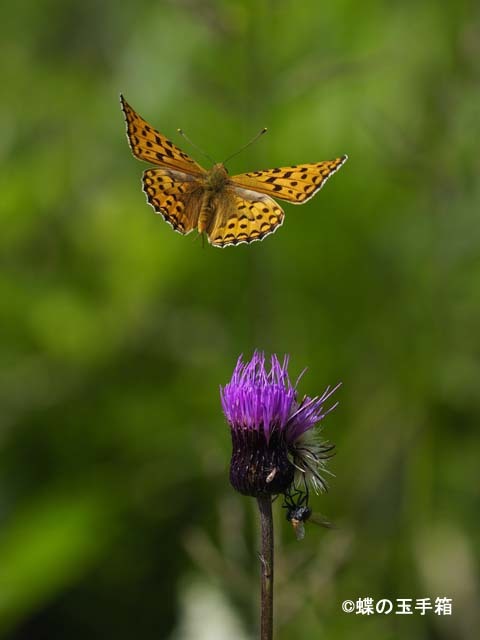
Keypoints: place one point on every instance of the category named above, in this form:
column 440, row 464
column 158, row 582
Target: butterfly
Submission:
column 230, row 210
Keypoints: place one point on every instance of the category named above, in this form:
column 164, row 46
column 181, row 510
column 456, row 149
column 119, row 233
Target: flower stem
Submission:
column 266, row 559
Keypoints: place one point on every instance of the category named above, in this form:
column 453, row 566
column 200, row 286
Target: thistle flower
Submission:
column 274, row 442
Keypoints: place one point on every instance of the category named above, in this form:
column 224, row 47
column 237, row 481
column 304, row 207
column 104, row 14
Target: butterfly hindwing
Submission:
column 242, row 215
column 149, row 144
column 175, row 195
column 296, row 184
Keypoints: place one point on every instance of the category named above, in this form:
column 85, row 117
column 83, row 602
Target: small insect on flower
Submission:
column 298, row 512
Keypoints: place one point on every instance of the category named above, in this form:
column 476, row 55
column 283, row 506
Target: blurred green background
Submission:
column 117, row 518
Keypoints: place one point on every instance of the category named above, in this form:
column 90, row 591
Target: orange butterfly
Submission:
column 229, row 209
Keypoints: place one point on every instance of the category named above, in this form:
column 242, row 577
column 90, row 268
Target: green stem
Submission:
column 266, row 559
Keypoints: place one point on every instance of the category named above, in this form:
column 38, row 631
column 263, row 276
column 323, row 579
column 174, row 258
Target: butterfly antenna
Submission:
column 184, row 135
column 254, row 139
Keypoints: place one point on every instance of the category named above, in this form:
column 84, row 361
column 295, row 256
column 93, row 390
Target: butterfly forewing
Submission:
column 149, row 144
column 296, row 184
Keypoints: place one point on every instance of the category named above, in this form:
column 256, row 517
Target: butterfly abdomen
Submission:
column 214, row 184
column 206, row 213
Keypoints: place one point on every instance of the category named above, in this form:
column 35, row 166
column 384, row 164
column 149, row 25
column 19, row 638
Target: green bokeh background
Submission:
column 117, row 518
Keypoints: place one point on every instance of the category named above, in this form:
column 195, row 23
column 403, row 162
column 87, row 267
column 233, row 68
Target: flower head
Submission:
column 273, row 437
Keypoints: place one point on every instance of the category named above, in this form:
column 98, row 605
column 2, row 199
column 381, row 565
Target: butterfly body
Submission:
column 214, row 184
column 230, row 210
column 217, row 177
